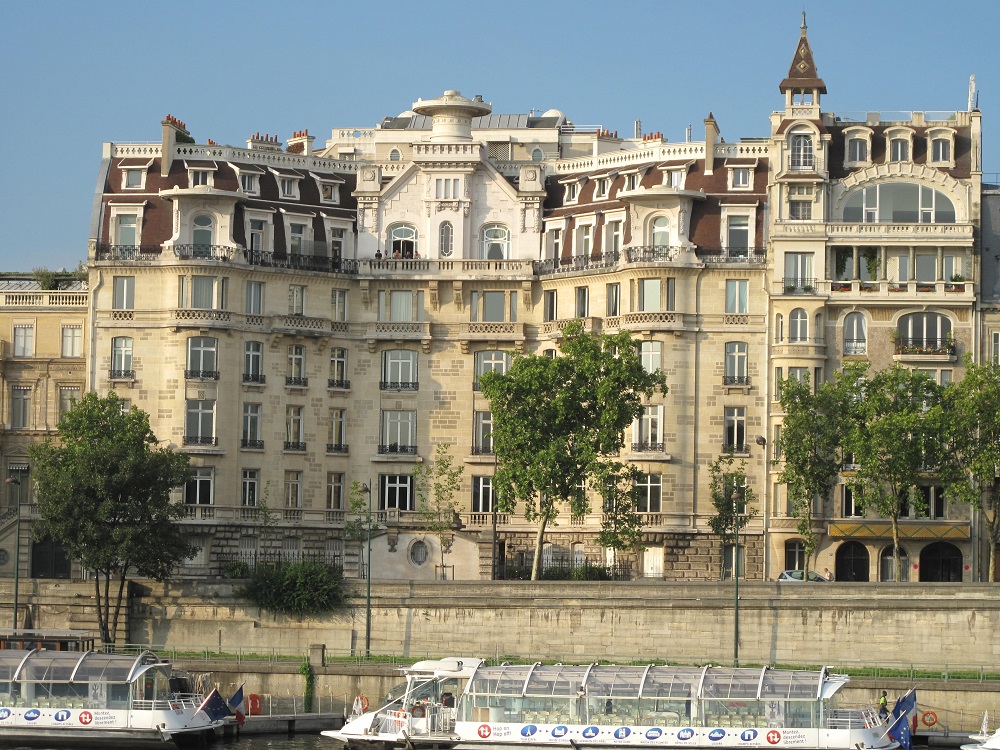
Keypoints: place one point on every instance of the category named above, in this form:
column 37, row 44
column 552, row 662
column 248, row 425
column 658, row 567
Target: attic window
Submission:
column 572, row 191
column 394, row 155
column 248, row 182
column 601, row 187
column 740, row 178
column 134, row 179
column 632, row 181
column 329, row 192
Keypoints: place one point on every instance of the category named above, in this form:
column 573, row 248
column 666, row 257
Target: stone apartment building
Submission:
column 300, row 318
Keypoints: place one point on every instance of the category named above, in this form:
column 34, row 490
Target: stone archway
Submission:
column 853, row 563
column 941, row 562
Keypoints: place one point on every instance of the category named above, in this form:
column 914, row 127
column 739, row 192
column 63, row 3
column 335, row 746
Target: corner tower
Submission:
column 803, row 86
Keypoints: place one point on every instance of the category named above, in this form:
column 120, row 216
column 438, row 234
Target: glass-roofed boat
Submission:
column 93, row 698
column 599, row 705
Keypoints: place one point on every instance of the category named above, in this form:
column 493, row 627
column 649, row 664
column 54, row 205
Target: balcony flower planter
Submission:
column 925, row 287
column 954, row 287
column 897, row 287
column 869, row 288
column 841, row 286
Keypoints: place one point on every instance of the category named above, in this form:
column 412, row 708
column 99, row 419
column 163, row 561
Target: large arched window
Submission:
column 798, row 326
column 855, row 335
column 852, row 563
column 941, row 562
column 887, row 566
column 402, row 241
column 201, row 235
column 899, row 202
column 924, row 330
column 446, row 239
column 802, row 156
column 495, row 242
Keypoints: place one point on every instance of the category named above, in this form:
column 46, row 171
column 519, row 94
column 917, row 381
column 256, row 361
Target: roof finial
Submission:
column 803, row 22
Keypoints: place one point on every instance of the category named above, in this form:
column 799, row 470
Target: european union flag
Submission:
column 215, row 706
column 899, row 729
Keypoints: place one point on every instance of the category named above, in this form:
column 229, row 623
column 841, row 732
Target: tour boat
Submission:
column 984, row 740
column 60, row 698
column 458, row 702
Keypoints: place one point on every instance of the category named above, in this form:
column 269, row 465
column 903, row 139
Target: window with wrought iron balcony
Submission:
column 396, row 448
column 201, row 374
column 254, row 377
column 200, row 440
column 340, row 448
column 396, row 385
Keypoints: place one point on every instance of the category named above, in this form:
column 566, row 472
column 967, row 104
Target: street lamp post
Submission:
column 736, row 578
column 17, row 545
column 366, row 488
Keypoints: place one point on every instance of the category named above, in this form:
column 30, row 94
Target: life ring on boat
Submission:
column 929, row 718
column 253, row 704
column 418, row 712
column 363, row 701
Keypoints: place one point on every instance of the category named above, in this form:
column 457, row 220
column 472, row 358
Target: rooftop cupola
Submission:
column 803, row 85
column 452, row 115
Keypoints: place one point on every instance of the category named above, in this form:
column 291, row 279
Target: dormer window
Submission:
column 899, row 149
column 857, row 149
column 675, row 178
column 329, row 192
column 941, row 147
column 249, row 183
column 134, row 179
column 601, row 187
column 199, row 177
column 289, row 187
column 572, row 192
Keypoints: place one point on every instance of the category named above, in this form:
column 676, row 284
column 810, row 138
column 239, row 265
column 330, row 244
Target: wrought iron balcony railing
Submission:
column 398, row 385
column 296, row 381
column 201, row 374
column 254, row 377
column 200, row 440
column 647, row 447
column 294, row 445
column 736, row 380
column 121, row 374
column 252, row 444
column 396, row 448
column 342, row 384
column 336, row 447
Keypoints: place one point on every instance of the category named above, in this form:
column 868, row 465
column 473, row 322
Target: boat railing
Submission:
column 176, row 702
column 420, row 721
column 853, row 718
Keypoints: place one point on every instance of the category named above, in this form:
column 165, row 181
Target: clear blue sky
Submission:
column 76, row 73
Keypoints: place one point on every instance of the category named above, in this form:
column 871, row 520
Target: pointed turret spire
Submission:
column 802, row 74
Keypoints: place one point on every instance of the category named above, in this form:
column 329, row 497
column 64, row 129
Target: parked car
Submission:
column 799, row 576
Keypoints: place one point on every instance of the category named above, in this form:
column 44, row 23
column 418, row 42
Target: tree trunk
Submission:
column 536, row 565
column 118, row 604
column 895, row 549
column 102, row 614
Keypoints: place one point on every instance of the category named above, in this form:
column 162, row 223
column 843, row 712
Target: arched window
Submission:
column 887, row 567
column 798, row 326
column 925, row 330
column 446, row 239
column 495, row 242
column 201, row 236
column 661, row 232
column 855, row 335
column 394, row 155
column 402, row 241
column 899, row 203
column 942, row 562
column 537, row 154
column 852, row 563
column 803, row 158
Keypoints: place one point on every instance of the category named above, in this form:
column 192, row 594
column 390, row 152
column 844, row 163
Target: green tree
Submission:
column 361, row 520
column 436, row 485
column 810, row 448
column 621, row 526
column 734, row 502
column 556, row 420
column 896, row 439
column 104, row 493
column 972, row 436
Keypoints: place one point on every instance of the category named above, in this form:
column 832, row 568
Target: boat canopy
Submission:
column 654, row 682
column 69, row 666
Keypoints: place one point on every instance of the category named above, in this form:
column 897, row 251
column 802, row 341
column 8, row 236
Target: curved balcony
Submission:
column 130, row 253
column 204, row 252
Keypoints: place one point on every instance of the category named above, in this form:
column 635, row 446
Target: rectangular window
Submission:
column 490, row 361
column 446, row 188
column 675, row 178
column 572, row 190
column 133, row 179
column 800, row 210
column 941, row 149
column 335, row 491
column 482, row 494
column 735, row 438
column 198, row 490
column 123, row 295
column 256, row 242
column 251, row 426
column 248, row 182
column 399, row 370
column 395, row 492
column 68, row 395
column 296, row 238
column 249, row 488
column 200, row 423
column 296, row 299
column 614, row 244
column 483, row 433
column 401, row 306
column 737, row 296
column 584, row 241
column 550, row 305
column 996, row 347
column 201, row 359
column 736, row 363
column 289, row 187
column 338, row 369
column 738, row 236
column 203, row 292
column 555, row 243
column 649, row 295
column 253, row 362
column 741, row 177
column 399, row 432
column 72, row 341
column 255, row 298
column 632, row 181
column 613, row 292
column 488, row 307
column 293, row 489
column 899, row 149
column 296, row 374
column 127, row 230
column 24, row 340
column 121, row 357
column 200, row 177
column 294, row 428
column 651, row 355
column 850, row 506
column 648, row 492
column 646, row 429
column 20, row 408
column 601, row 187
column 329, row 192
column 582, row 301
column 857, row 150
column 338, row 305
column 338, row 431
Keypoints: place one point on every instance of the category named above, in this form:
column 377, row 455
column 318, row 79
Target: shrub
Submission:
column 301, row 588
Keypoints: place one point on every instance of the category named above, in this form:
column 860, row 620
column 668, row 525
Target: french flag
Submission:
column 237, row 704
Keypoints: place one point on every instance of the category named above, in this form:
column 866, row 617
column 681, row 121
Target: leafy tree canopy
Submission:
column 104, row 492
column 556, row 420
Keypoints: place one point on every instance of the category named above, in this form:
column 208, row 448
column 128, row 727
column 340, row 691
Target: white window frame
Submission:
column 125, row 209
column 396, row 492
column 121, row 353
column 72, row 340
column 741, row 177
column 648, row 493
column 20, row 407
column 735, row 427
column 259, row 240
column 336, row 491
column 614, row 234
column 647, row 428
column 296, row 361
column 295, row 427
column 494, row 235
column 329, row 191
column 253, row 360
column 305, row 238
column 296, row 299
column 399, row 368
column 253, row 297
column 338, row 305
column 201, row 481
column 581, row 301
column 650, row 355
column 251, row 421
column 737, row 297
column 293, row 492
column 482, row 494
column 613, row 299
column 338, row 428
column 945, row 136
column 123, row 293
column 201, row 176
column 338, row 365
column 24, row 340
column 399, row 427
column 68, row 395
column 490, row 360
column 747, row 213
column 200, row 415
column 895, row 136
column 737, row 362
column 249, row 491
column 802, row 151
column 602, row 186
column 860, row 134
column 131, row 170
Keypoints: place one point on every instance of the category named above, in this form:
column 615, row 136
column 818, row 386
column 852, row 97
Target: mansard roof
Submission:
column 802, row 73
